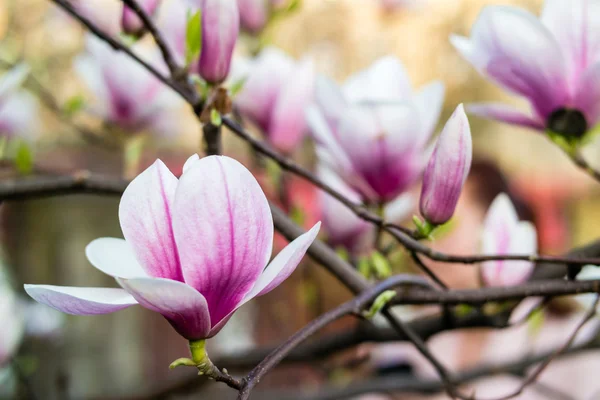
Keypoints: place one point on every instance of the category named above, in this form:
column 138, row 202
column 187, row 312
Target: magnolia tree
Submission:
column 199, row 245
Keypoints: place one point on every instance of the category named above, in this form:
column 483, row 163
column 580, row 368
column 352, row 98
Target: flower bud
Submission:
column 220, row 28
column 447, row 169
column 131, row 23
column 253, row 14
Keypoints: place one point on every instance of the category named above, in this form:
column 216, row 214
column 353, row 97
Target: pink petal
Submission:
column 385, row 80
column 278, row 270
column 81, row 300
column 587, row 95
column 114, row 257
column 288, row 122
column 575, row 26
column 190, row 162
column 513, row 48
column 145, row 215
column 504, row 113
column 224, row 231
column 182, row 305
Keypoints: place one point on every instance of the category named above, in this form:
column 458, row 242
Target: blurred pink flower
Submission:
column 127, row 94
column 18, row 109
column 552, row 61
column 343, row 227
column 104, row 14
column 374, row 130
column 131, row 23
column 393, row 5
column 447, row 169
column 254, row 14
column 275, row 96
column 504, row 234
column 195, row 249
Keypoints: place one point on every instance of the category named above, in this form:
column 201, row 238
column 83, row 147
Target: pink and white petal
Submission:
column 330, row 100
column 385, row 80
column 19, row 116
column 574, row 25
column 145, row 213
column 523, row 242
column 13, row 79
column 512, row 47
column 114, row 257
column 223, row 229
column 190, row 162
column 587, row 95
column 81, row 300
column 506, row 114
column 400, row 208
column 429, row 102
column 501, row 219
column 278, row 270
column 288, row 120
column 284, row 263
column 182, row 305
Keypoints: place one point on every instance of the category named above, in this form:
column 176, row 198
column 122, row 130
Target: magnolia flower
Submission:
column 504, row 234
column 18, row 109
column 220, row 29
column 552, row 61
column 374, row 130
column 102, row 13
column 131, row 23
column 253, row 14
column 127, row 94
column 344, row 228
column 195, row 249
column 447, row 169
column 275, row 96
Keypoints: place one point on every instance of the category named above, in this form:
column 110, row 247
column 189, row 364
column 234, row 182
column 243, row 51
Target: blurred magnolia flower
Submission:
column 220, row 29
column 275, row 96
column 102, row 13
column 504, row 234
column 393, row 5
column 374, row 130
column 254, row 14
column 447, row 169
column 127, row 94
column 588, row 272
column 18, row 109
column 195, row 249
column 552, row 61
column 343, row 227
column 131, row 23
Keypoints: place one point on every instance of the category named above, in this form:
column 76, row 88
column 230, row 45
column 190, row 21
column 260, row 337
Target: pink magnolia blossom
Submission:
column 275, row 96
column 552, row 61
column 505, row 234
column 126, row 94
column 343, row 227
column 102, row 13
column 220, row 30
column 374, row 130
column 447, row 169
column 195, row 249
column 18, row 109
column 131, row 23
column 254, row 14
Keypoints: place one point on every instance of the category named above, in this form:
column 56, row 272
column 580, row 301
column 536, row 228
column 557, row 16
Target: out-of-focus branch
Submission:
column 354, row 306
column 399, row 384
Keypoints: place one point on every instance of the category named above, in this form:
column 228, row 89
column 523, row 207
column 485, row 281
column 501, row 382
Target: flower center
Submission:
column 567, row 122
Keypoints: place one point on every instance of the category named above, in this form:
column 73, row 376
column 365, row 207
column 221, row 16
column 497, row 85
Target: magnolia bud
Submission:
column 220, row 29
column 253, row 14
column 131, row 23
column 447, row 169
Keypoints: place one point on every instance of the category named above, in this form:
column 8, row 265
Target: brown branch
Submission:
column 354, row 306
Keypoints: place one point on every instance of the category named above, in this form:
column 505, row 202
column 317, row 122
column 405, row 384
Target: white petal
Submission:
column 114, row 257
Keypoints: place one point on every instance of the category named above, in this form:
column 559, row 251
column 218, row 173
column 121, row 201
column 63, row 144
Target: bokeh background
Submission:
column 126, row 355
